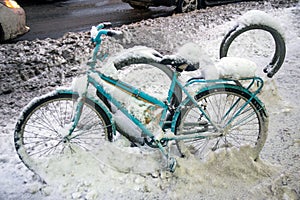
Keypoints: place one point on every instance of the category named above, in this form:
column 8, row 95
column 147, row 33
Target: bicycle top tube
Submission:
column 98, row 31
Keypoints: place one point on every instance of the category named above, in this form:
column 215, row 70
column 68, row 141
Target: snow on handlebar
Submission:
column 98, row 30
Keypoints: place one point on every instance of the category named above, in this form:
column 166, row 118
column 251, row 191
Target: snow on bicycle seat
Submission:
column 186, row 58
column 236, row 68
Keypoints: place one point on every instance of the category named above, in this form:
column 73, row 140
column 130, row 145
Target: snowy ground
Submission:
column 29, row 69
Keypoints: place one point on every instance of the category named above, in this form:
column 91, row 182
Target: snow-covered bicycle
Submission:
column 222, row 113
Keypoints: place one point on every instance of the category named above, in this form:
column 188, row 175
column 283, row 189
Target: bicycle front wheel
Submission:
column 235, row 121
column 40, row 134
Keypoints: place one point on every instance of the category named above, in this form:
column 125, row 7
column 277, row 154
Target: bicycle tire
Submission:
column 139, row 7
column 184, row 7
column 38, row 135
column 280, row 49
column 249, row 128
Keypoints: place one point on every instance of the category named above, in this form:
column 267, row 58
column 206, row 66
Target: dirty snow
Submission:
column 29, row 69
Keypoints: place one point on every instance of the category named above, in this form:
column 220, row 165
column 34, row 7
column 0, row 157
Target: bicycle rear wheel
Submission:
column 40, row 131
column 248, row 127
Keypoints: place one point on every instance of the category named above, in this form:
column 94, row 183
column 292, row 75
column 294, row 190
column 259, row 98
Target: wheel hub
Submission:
column 189, row 5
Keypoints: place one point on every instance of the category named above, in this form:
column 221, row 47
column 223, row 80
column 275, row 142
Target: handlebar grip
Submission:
column 107, row 24
column 113, row 33
column 96, row 33
column 103, row 25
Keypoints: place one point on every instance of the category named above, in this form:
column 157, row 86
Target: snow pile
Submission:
column 121, row 172
column 98, row 176
column 261, row 18
column 236, row 68
column 190, row 52
column 79, row 85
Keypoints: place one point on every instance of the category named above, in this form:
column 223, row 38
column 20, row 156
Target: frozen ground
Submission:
column 29, row 69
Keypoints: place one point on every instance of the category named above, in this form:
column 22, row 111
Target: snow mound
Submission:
column 261, row 18
column 236, row 68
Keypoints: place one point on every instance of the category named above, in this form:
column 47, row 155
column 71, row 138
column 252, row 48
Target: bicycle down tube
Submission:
column 137, row 93
column 134, row 92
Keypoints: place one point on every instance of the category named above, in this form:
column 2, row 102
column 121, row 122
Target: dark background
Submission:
column 55, row 18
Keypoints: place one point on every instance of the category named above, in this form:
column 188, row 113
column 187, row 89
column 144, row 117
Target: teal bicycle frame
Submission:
column 93, row 75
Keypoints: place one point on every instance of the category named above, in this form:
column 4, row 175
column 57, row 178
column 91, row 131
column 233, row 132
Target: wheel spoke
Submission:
column 238, row 120
column 41, row 133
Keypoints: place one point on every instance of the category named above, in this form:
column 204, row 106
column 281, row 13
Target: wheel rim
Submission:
column 43, row 139
column 189, row 5
column 244, row 130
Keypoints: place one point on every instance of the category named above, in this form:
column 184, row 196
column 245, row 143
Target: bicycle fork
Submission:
column 78, row 110
column 74, row 121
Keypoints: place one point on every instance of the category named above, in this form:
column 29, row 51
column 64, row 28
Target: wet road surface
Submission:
column 54, row 19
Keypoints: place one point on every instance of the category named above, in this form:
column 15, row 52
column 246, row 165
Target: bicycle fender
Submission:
column 96, row 101
column 258, row 103
column 243, row 90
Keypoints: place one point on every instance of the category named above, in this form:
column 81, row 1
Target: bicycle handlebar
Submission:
column 98, row 31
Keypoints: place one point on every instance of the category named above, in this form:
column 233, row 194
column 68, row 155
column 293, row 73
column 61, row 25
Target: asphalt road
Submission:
column 54, row 19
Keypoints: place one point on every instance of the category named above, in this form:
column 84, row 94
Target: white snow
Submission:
column 236, row 68
column 79, row 85
column 137, row 52
column 94, row 32
column 262, row 18
column 118, row 171
column 191, row 51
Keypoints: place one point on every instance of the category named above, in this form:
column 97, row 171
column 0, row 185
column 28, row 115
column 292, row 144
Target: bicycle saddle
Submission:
column 179, row 63
column 186, row 58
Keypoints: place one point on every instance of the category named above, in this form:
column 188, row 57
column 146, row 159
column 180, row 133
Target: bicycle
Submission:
column 222, row 114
